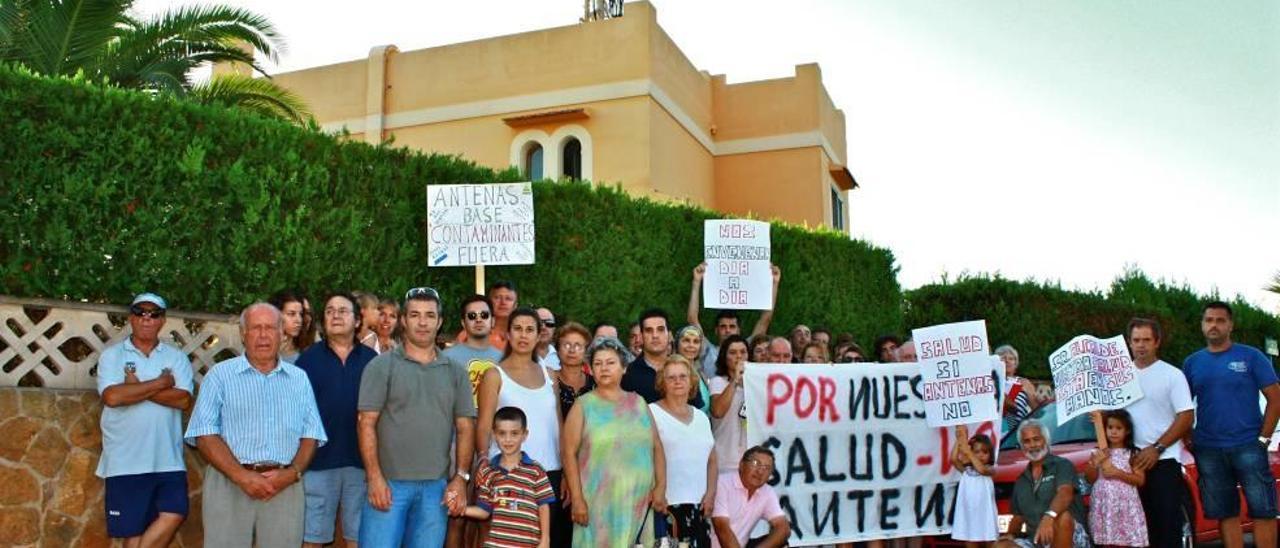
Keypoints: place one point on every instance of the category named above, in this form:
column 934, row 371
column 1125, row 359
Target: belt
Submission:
column 263, row 466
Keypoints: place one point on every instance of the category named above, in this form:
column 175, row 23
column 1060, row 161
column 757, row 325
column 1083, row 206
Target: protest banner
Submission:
column 1093, row 374
column 959, row 384
column 739, row 274
column 470, row 225
column 856, row 459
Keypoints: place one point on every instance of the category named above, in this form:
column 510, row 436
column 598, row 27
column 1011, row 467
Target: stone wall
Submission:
column 49, row 449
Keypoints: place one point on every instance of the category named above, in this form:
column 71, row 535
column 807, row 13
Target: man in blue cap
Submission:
column 145, row 384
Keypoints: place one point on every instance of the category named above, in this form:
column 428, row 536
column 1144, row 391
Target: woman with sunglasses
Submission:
column 519, row 381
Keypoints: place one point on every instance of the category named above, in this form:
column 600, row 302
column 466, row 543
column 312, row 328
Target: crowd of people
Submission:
column 526, row 430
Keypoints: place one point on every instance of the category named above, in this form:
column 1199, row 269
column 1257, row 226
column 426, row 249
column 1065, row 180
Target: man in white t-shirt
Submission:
column 1161, row 418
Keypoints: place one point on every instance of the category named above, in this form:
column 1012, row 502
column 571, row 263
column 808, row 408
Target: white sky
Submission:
column 1059, row 140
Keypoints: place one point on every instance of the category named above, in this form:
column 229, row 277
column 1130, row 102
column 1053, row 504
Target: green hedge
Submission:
column 107, row 192
column 1037, row 318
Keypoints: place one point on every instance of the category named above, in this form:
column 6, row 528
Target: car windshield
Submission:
column 1078, row 429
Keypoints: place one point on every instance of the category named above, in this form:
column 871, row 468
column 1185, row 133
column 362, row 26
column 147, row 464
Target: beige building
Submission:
column 612, row 101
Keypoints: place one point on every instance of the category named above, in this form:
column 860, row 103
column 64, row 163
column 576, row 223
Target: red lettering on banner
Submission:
column 805, row 386
column 776, row 399
column 827, row 395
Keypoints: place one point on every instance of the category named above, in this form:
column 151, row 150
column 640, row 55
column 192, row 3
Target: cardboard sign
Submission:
column 959, row 384
column 1093, row 374
column 471, row 225
column 856, row 459
column 739, row 274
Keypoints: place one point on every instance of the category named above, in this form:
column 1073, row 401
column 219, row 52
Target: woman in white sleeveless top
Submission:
column 519, row 381
column 691, row 464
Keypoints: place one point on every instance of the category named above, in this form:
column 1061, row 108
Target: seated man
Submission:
column 742, row 499
column 1044, row 497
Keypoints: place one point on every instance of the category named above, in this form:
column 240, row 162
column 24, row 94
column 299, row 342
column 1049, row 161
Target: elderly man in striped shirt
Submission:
column 257, row 424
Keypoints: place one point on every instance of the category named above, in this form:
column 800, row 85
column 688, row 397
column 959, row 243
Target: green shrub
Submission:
column 106, row 193
column 1037, row 318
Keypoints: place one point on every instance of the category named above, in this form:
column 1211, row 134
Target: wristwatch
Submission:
column 297, row 471
column 1051, row 514
column 465, row 476
column 1264, row 441
column 1160, row 448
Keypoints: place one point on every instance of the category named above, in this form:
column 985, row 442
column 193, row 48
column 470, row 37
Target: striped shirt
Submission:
column 262, row 418
column 512, row 499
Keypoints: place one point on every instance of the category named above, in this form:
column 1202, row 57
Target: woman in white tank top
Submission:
column 519, row 381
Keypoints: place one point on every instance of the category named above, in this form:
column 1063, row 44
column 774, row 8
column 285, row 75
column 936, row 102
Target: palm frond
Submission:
column 62, row 37
column 258, row 95
column 1275, row 284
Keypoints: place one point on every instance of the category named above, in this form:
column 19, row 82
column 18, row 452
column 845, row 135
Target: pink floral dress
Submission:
column 1116, row 517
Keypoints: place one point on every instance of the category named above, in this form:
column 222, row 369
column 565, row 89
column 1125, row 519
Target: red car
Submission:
column 1076, row 441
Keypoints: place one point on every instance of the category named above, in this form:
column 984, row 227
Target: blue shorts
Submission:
column 134, row 501
column 1222, row 469
column 329, row 494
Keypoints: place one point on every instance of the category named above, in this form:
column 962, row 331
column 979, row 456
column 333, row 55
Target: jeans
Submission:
column 416, row 517
column 1221, row 469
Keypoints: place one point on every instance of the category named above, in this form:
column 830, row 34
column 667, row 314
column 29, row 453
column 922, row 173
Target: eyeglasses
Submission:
column 421, row 292
column 144, row 313
column 549, row 323
column 473, row 316
column 572, row 346
column 337, row 311
column 757, row 464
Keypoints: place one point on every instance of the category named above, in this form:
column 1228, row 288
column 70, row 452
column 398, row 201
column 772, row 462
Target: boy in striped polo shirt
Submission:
column 512, row 490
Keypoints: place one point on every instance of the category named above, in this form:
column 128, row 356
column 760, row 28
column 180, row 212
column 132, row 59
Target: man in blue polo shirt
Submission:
column 334, row 484
column 145, row 384
column 1231, row 435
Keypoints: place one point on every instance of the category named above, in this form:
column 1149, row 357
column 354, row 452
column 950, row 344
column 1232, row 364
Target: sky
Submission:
column 1060, row 141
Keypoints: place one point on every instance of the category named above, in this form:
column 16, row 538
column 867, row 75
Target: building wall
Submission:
column 681, row 168
column 780, row 184
column 657, row 124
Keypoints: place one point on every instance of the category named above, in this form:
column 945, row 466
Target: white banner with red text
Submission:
column 856, row 459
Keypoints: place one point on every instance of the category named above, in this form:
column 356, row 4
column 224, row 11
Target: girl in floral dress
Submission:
column 1115, row 516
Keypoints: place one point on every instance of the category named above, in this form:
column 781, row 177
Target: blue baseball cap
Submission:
column 150, row 298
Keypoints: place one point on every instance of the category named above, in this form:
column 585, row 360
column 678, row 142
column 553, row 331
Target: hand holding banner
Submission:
column 958, row 383
column 1093, row 374
column 739, row 273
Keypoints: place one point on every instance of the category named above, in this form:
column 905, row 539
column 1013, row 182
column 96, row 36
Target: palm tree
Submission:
column 1275, row 284
column 102, row 41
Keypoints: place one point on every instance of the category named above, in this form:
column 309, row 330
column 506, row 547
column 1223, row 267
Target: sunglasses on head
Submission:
column 421, row 292
column 144, row 313
column 482, row 315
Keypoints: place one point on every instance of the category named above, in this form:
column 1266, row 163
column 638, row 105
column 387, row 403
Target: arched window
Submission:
column 533, row 162
column 572, row 159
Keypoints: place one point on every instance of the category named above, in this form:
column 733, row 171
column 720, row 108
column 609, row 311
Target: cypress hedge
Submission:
column 109, row 192
column 1037, row 318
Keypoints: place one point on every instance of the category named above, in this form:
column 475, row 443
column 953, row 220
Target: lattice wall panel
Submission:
column 60, row 346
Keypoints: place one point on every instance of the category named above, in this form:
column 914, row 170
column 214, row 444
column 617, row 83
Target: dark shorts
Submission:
column 1222, row 469
column 134, row 501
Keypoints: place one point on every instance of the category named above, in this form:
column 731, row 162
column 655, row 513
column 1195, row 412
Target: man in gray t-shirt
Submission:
column 412, row 402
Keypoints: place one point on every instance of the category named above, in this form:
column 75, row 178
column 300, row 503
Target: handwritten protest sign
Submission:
column 1093, row 374
column 959, row 384
column 738, row 269
column 855, row 458
column 480, row 224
